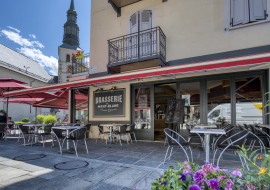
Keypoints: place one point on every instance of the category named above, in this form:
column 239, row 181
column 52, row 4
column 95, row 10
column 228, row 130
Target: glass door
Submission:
column 143, row 114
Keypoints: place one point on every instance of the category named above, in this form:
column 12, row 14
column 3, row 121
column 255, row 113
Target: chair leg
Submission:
column 97, row 137
column 214, row 156
column 86, row 146
column 170, row 154
column 127, row 139
column 191, row 153
column 250, row 145
column 134, row 136
column 130, row 138
column 42, row 141
column 120, row 139
column 75, row 148
column 166, row 154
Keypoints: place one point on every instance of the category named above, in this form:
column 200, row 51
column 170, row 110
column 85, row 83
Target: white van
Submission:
column 246, row 113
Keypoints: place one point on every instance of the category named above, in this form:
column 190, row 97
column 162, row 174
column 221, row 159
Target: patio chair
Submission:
column 232, row 146
column 174, row 143
column 76, row 124
column 102, row 132
column 47, row 131
column 3, row 127
column 228, row 129
column 121, row 130
column 262, row 134
column 193, row 135
column 88, row 126
column 131, row 131
column 59, row 135
column 76, row 136
column 26, row 131
column 253, row 137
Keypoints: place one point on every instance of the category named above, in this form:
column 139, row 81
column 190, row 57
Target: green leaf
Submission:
column 251, row 155
column 188, row 178
column 251, row 165
column 263, row 163
column 255, row 157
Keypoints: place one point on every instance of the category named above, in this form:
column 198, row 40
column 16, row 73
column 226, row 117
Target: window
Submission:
column 247, row 11
column 68, row 58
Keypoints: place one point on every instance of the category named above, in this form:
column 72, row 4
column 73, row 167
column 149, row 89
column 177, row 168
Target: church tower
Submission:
column 70, row 44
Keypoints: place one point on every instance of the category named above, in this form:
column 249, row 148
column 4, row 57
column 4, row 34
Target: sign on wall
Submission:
column 93, row 69
column 109, row 103
column 187, row 99
column 175, row 111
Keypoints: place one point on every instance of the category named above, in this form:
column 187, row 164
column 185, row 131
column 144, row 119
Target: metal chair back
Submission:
column 100, row 128
column 2, row 127
column 48, row 128
column 123, row 128
column 78, row 134
column 132, row 128
column 88, row 126
column 57, row 132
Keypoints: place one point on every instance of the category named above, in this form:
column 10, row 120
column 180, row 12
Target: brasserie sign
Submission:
column 109, row 103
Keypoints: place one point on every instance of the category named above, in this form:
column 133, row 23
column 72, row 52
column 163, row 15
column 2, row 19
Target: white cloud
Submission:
column 18, row 31
column 31, row 49
column 15, row 37
column 33, row 36
column 39, row 57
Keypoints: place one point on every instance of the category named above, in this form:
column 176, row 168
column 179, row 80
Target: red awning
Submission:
column 36, row 95
column 232, row 63
column 9, row 85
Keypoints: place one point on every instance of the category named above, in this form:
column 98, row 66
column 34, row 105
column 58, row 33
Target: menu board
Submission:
column 109, row 103
column 175, row 111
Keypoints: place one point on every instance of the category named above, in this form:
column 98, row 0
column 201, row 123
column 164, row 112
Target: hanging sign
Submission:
column 187, row 99
column 109, row 103
column 175, row 111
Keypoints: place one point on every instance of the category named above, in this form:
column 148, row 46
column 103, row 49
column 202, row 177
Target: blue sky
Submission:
column 35, row 28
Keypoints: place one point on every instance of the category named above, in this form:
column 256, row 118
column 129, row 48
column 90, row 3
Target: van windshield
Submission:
column 215, row 113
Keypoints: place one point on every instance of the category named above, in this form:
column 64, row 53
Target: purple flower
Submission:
column 237, row 173
column 198, row 177
column 183, row 177
column 186, row 172
column 213, row 184
column 194, row 187
column 164, row 183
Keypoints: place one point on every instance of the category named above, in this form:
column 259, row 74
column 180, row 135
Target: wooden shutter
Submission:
column 134, row 23
column 239, row 12
column 145, row 20
column 257, row 10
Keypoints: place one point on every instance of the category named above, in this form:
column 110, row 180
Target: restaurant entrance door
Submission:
column 143, row 113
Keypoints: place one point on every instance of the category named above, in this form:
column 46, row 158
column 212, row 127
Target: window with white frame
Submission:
column 247, row 11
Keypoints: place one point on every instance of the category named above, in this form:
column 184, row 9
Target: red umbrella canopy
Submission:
column 7, row 86
column 23, row 100
column 11, row 80
column 61, row 102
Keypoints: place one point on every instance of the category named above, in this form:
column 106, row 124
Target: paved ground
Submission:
column 110, row 167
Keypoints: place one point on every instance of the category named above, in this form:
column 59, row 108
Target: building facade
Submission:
column 145, row 54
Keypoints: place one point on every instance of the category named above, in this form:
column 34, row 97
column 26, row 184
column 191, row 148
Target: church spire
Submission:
column 72, row 7
column 71, row 29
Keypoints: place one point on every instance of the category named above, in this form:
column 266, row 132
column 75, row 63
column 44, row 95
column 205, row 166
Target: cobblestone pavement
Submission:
column 106, row 167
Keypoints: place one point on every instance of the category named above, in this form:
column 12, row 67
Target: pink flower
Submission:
column 228, row 188
column 250, row 186
column 237, row 173
column 186, row 166
column 229, row 183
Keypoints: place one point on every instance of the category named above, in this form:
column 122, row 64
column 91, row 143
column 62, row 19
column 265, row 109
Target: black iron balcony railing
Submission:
column 143, row 45
column 80, row 65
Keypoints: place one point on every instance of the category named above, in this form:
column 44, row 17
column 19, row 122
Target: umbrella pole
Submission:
column 7, row 109
column 36, row 116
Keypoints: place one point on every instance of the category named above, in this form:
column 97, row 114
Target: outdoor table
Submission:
column 36, row 127
column 205, row 126
column 110, row 126
column 207, row 133
column 67, row 128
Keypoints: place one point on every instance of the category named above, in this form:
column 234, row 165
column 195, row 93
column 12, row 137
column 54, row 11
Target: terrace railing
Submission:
column 143, row 45
column 80, row 65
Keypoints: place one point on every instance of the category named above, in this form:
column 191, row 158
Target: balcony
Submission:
column 139, row 50
column 80, row 65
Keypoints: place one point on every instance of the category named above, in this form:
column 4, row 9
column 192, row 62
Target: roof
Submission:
column 53, row 80
column 230, row 63
column 15, row 61
column 75, row 47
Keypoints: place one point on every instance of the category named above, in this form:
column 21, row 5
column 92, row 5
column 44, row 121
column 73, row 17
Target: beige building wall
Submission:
column 192, row 27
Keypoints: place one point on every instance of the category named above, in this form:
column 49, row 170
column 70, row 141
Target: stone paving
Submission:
column 110, row 167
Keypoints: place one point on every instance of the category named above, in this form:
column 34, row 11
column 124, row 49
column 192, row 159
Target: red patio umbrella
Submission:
column 61, row 102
